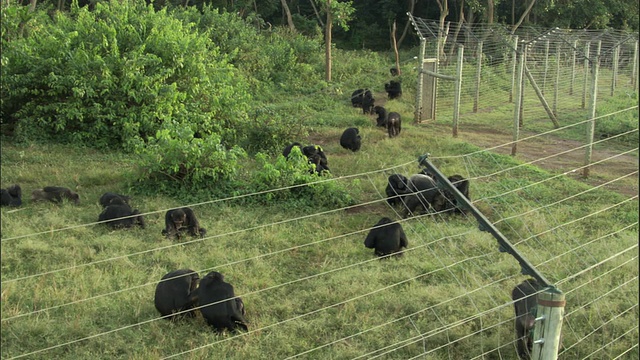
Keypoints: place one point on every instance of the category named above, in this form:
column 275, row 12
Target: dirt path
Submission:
column 622, row 167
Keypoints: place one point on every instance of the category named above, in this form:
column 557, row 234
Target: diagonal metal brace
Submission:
column 483, row 223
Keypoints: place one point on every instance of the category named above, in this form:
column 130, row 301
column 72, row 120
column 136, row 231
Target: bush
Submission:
column 288, row 174
column 175, row 158
column 111, row 77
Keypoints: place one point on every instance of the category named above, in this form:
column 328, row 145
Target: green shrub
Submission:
column 288, row 174
column 111, row 77
column 175, row 158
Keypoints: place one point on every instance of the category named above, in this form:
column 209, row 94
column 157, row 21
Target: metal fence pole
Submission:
column 417, row 115
column 518, row 103
column 557, row 82
column 614, row 66
column 634, row 69
column 546, row 65
column 573, row 66
column 586, row 74
column 478, row 76
column 513, row 67
column 457, row 90
column 591, row 125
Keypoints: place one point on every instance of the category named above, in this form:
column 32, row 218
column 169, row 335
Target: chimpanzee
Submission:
column 397, row 186
column 387, row 238
column 179, row 220
column 526, row 304
column 11, row 196
column 118, row 214
column 424, row 195
column 393, row 89
column 382, row 116
column 287, row 150
column 316, row 156
column 368, row 102
column 55, row 194
column 218, row 313
column 394, row 124
column 107, row 198
column 450, row 202
column 351, row 139
column 394, row 71
column 356, row 98
column 176, row 292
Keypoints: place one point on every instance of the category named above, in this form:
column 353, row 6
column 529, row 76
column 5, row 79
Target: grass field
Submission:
column 74, row 289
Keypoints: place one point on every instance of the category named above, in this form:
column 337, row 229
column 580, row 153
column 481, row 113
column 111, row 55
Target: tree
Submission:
column 287, row 12
column 338, row 13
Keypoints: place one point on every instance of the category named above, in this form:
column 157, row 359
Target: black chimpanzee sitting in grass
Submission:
column 118, row 214
column 177, row 221
column 393, row 89
column 219, row 305
column 525, row 305
column 108, row 197
column 11, row 196
column 387, row 238
column 55, row 194
column 351, row 139
column 176, row 293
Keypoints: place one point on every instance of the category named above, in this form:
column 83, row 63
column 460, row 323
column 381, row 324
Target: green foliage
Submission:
column 291, row 175
column 175, row 158
column 111, row 77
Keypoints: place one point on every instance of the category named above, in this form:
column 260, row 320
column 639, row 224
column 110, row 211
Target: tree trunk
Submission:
column 317, row 13
column 457, row 32
column 524, row 15
column 285, row 7
column 412, row 5
column 32, row 5
column 395, row 47
column 327, row 42
column 490, row 11
column 444, row 11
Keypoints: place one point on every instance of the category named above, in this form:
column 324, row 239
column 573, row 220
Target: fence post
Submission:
column 591, row 124
column 514, row 60
column 525, row 53
column 518, row 103
column 634, row 70
column 546, row 65
column 417, row 115
column 573, row 66
column 586, row 74
column 548, row 328
column 457, row 90
column 478, row 76
column 557, row 82
column 614, row 66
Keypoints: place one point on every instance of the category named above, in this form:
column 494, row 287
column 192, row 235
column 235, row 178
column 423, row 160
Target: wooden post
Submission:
column 591, row 125
column 478, row 76
column 417, row 115
column 573, row 66
column 548, row 328
column 586, row 74
column 614, row 68
column 545, row 105
column 634, row 69
column 557, row 82
column 516, row 110
column 546, row 65
column 525, row 53
column 457, row 90
column 514, row 60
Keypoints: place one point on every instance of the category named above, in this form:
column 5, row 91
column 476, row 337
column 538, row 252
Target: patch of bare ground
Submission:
column 556, row 155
